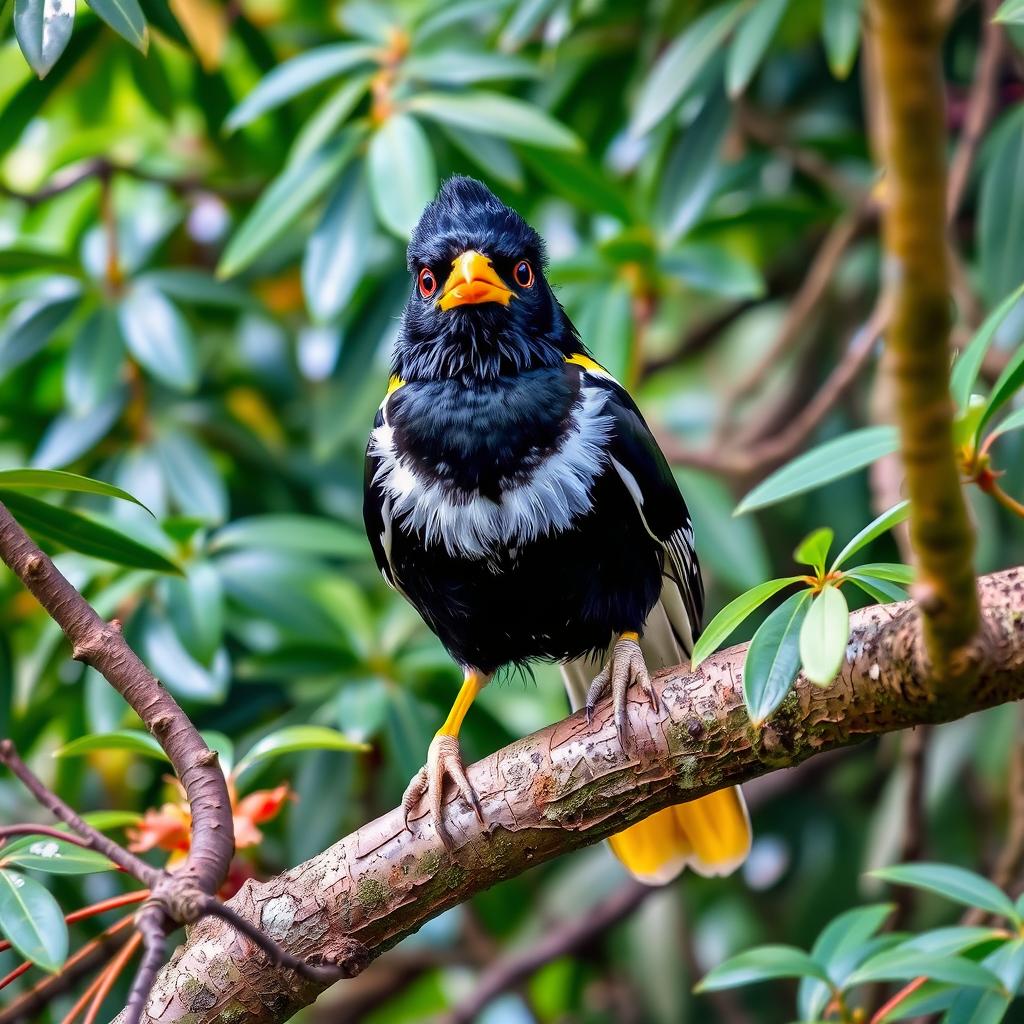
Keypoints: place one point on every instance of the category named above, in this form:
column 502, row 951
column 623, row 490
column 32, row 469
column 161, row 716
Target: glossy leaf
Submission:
column 402, row 173
column 295, row 76
column 456, row 67
column 1015, row 421
column 735, row 612
column 43, row 28
column 1011, row 12
column 761, row 964
column 32, row 921
column 894, row 572
column 755, row 32
column 159, row 337
column 824, row 635
column 973, row 1007
column 297, row 737
column 681, row 64
column 286, row 199
column 193, row 479
column 195, row 606
column 199, row 288
column 952, row 940
column 59, row 480
column 968, row 363
column 25, row 335
column 840, row 30
column 53, row 856
column 79, row 532
column 829, row 461
column 94, row 362
column 71, row 434
column 575, row 176
column 1000, row 217
column 881, row 591
column 773, row 657
column 904, row 965
column 813, row 549
column 952, row 883
column 308, row 534
column 362, row 708
column 186, row 677
column 134, row 741
column 708, row 267
column 495, row 114
column 880, row 524
column 1010, row 381
column 125, row 17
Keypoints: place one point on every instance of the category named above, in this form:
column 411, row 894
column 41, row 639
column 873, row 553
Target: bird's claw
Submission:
column 444, row 759
column 625, row 666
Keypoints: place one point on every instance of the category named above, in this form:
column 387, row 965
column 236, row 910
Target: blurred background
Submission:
column 202, row 226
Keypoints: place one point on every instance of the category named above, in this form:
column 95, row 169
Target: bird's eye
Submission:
column 427, row 282
column 523, row 274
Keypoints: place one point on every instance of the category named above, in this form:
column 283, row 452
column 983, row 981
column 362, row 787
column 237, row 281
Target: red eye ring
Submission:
column 427, row 282
column 523, row 274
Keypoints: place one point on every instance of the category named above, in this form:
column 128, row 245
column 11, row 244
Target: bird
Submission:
column 515, row 496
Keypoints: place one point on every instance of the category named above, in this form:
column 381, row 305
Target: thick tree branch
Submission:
column 568, row 786
column 907, row 38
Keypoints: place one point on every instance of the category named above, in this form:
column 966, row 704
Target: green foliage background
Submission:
column 204, row 320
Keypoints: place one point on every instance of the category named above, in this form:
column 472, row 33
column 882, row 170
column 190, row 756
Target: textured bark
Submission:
column 906, row 38
column 571, row 785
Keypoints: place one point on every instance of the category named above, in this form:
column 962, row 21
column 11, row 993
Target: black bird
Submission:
column 516, row 497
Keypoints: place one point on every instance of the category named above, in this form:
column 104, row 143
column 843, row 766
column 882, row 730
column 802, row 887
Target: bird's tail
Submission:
column 711, row 835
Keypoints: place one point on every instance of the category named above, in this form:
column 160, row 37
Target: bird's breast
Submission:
column 484, row 467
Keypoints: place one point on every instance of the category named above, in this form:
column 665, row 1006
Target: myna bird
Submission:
column 516, row 497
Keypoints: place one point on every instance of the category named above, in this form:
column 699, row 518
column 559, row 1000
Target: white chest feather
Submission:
column 556, row 492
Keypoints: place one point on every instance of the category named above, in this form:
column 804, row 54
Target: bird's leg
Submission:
column 444, row 758
column 625, row 666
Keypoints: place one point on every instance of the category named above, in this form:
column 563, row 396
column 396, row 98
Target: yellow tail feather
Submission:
column 710, row 835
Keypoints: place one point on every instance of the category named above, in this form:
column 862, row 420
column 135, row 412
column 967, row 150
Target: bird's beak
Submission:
column 473, row 280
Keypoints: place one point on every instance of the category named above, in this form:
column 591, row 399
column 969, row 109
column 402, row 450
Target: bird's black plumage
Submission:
column 514, row 493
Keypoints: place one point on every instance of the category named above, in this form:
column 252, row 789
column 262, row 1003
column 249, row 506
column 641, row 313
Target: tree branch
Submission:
column 568, row 786
column 907, row 37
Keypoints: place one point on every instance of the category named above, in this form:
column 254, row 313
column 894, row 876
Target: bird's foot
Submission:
column 444, row 759
column 625, row 666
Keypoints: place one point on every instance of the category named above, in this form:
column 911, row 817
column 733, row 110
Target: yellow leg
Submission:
column 630, row 635
column 472, row 684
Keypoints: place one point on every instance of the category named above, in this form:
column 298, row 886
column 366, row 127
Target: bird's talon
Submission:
column 625, row 667
column 444, row 759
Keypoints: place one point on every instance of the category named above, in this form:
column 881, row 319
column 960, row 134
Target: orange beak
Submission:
column 472, row 281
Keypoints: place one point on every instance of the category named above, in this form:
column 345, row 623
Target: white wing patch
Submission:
column 468, row 524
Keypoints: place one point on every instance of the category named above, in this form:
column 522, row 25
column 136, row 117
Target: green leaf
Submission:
column 159, row 337
column 709, row 268
column 973, row 1007
column 492, row 113
column 125, row 17
column 195, row 606
column 894, row 572
column 295, row 76
column 840, row 30
column 297, row 737
column 773, row 657
column 94, row 363
column 680, row 65
column 1009, row 383
column 337, row 251
column 25, row 335
column 32, row 921
column 830, row 461
column 459, row 67
column 953, row 883
column 59, row 480
column 578, row 178
column 761, row 964
column 284, row 200
column 403, row 175
column 824, row 635
column 1011, row 12
column 43, row 28
column 606, row 321
column 1000, row 211
column 199, row 288
column 901, row 964
column 81, row 533
column 362, row 708
column 841, row 947
column 1012, row 422
column 752, row 39
column 494, row 156
column 952, row 940
column 327, row 120
column 26, row 256
column 193, row 479
column 54, row 856
column 813, row 549
column 968, row 363
column 881, row 591
column 881, row 524
column 134, row 741
column 730, row 617
column 310, row 534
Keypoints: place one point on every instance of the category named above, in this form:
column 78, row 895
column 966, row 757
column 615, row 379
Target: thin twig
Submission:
column 153, row 928
column 7, row 831
column 111, row 974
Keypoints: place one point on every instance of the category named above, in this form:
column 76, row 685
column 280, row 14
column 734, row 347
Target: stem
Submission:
column 891, row 1004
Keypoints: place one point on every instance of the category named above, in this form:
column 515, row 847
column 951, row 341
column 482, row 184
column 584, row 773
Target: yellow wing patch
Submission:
column 394, row 383
column 579, row 359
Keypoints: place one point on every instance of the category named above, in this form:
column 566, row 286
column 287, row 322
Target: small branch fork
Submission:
column 190, row 892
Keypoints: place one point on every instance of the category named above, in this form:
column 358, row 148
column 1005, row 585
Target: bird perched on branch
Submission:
column 516, row 497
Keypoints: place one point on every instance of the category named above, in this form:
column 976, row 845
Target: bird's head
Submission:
column 480, row 304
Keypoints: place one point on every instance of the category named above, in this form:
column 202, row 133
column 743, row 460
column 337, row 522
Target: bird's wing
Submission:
column 376, row 505
column 643, row 470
